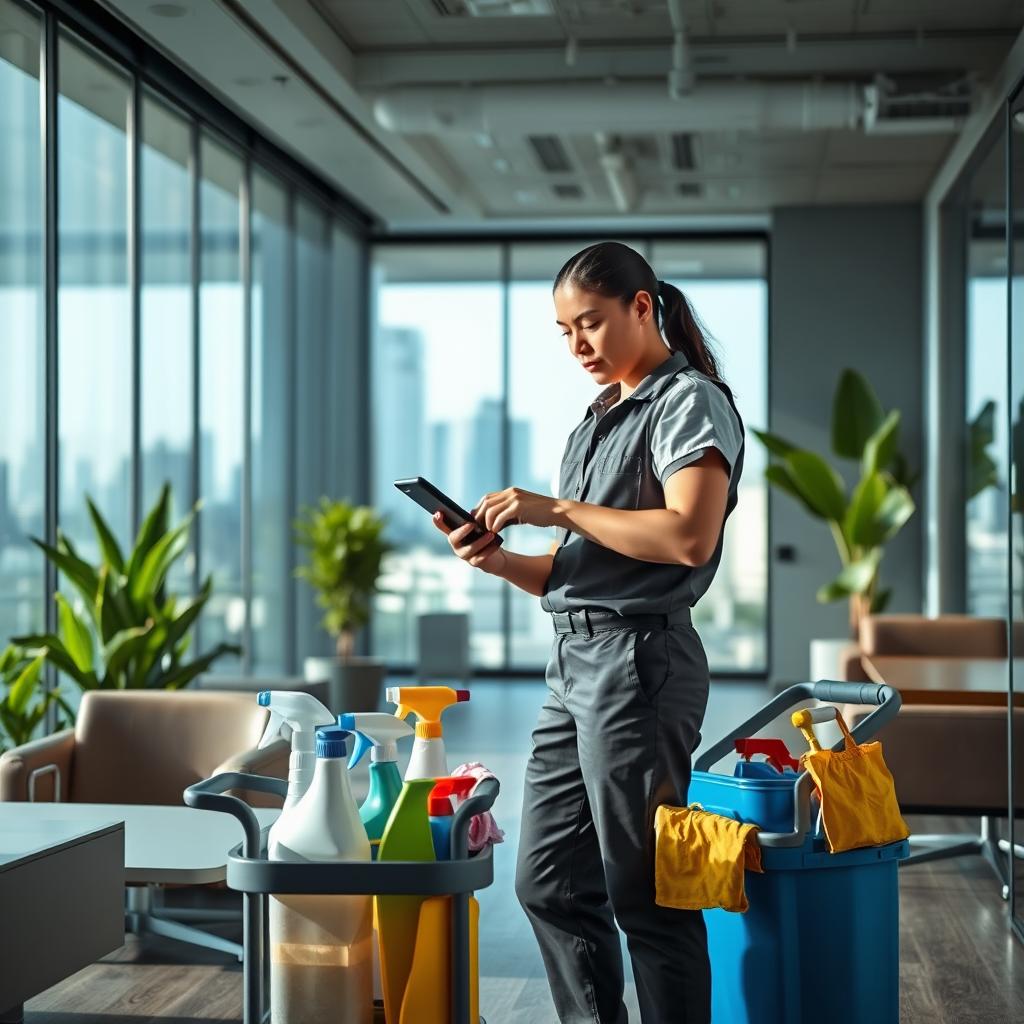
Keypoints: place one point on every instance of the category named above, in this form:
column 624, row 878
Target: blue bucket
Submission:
column 820, row 940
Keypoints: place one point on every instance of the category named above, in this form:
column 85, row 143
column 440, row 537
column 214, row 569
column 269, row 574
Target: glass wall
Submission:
column 166, row 343
column 986, row 474
column 269, row 425
column 22, row 387
column 437, row 412
column 472, row 389
column 94, row 412
column 221, row 391
column 183, row 368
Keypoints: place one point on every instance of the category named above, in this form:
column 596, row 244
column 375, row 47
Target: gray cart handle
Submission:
column 210, row 795
column 828, row 690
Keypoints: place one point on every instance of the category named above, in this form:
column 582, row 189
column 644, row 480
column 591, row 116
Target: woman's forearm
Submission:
column 650, row 535
column 528, row 572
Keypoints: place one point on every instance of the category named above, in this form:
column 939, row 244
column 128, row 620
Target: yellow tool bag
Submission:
column 700, row 858
column 858, row 797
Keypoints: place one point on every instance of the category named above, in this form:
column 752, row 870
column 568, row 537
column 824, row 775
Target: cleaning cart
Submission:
column 250, row 872
column 820, row 940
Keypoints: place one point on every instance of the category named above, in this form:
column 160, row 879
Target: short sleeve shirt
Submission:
column 620, row 456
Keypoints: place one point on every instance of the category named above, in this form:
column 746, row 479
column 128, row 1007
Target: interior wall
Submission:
column 845, row 287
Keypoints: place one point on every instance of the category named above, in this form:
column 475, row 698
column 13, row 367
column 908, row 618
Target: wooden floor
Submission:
column 959, row 963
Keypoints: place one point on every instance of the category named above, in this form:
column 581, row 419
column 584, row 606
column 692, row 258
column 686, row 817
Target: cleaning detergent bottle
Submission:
column 428, row 759
column 379, row 732
column 320, row 946
column 407, row 836
column 428, row 991
column 440, row 807
column 302, row 713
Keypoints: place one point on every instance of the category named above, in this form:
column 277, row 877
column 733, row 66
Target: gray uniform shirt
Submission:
column 620, row 457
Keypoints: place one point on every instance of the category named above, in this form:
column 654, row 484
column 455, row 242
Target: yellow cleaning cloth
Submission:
column 700, row 858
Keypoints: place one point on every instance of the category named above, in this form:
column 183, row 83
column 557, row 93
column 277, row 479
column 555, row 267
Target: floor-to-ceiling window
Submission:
column 270, row 439
column 986, row 472
column 94, row 369
column 437, row 412
column 22, row 396
column 473, row 389
column 162, row 290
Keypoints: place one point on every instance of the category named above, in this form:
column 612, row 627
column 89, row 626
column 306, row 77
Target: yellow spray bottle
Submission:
column 428, row 759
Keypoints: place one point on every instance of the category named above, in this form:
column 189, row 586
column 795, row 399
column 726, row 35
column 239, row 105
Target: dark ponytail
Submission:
column 616, row 271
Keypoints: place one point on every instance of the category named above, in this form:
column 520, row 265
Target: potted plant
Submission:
column 864, row 520
column 345, row 547
column 128, row 631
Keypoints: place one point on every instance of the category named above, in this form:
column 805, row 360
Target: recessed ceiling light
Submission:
column 168, row 10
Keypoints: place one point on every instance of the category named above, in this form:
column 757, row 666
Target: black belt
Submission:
column 594, row 620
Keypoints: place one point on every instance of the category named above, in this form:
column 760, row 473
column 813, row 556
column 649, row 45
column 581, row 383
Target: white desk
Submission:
column 178, row 845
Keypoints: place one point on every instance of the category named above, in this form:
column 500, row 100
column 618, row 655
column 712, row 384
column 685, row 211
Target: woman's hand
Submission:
column 483, row 553
column 516, row 507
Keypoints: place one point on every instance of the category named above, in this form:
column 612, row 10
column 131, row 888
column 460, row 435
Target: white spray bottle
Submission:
column 303, row 714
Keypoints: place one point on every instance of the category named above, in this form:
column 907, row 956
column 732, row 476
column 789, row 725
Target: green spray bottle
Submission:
column 379, row 732
column 407, row 836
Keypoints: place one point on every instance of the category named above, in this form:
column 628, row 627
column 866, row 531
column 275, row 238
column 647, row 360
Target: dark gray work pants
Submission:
column 613, row 741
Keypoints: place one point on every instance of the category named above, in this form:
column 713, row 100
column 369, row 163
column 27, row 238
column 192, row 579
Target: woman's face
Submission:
column 605, row 337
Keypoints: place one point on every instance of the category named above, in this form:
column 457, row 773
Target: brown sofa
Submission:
column 948, row 759
column 145, row 747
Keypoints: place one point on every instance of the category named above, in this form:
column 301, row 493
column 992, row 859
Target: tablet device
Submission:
column 424, row 493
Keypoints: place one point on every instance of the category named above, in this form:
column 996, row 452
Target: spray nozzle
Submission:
column 376, row 730
column 427, row 702
column 301, row 711
column 453, row 785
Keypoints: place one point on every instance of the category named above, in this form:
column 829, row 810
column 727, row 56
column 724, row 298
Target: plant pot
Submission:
column 353, row 685
column 825, row 654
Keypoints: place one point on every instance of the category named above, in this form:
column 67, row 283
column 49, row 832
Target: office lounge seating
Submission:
column 146, row 747
column 945, row 758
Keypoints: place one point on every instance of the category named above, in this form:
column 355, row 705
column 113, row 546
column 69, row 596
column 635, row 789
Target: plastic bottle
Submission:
column 406, row 837
column 320, row 946
column 302, row 713
column 379, row 732
column 428, row 759
column 439, row 806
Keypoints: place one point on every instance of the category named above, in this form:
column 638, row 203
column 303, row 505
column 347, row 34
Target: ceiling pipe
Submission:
column 680, row 78
column 619, row 107
column 618, row 171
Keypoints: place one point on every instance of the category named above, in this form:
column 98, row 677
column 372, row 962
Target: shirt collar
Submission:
column 650, row 387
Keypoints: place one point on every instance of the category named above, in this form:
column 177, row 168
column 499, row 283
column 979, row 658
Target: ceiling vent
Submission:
column 494, row 8
column 551, row 153
column 682, row 151
column 568, row 191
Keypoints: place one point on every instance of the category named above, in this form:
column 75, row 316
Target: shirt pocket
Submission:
column 616, row 480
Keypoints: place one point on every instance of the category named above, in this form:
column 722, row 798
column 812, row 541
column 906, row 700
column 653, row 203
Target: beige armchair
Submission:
column 945, row 758
column 146, row 747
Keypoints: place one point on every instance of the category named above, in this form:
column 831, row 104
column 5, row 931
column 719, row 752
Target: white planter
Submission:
column 825, row 658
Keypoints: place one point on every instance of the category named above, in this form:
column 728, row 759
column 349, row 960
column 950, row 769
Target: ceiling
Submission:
column 478, row 114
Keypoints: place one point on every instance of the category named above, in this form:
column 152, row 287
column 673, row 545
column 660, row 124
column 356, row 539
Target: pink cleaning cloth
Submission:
column 483, row 829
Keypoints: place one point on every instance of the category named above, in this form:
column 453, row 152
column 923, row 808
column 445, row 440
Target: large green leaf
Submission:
column 148, row 578
column 896, row 508
column 108, row 545
column 880, row 447
column 58, row 655
column 75, row 634
column 855, row 578
column 859, row 524
column 856, row 415
column 775, row 444
column 120, row 650
column 154, row 526
column 79, row 572
column 881, row 600
column 25, row 684
column 818, row 484
column 982, row 469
